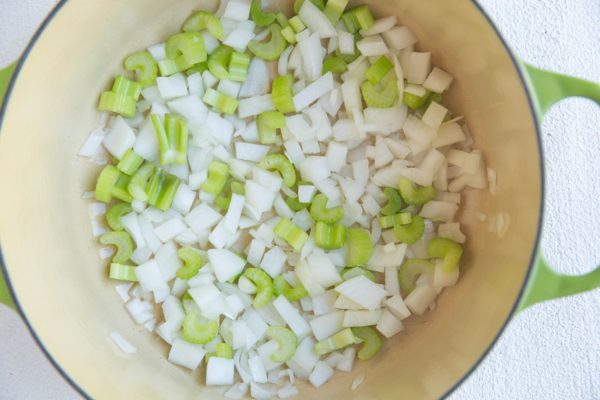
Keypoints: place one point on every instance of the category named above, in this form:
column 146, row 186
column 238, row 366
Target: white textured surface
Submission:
column 551, row 351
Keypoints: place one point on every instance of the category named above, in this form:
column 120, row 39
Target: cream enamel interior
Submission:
column 51, row 255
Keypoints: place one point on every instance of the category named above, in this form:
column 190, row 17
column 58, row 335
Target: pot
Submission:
column 56, row 282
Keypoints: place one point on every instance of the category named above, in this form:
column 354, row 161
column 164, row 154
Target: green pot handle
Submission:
column 5, row 75
column 548, row 88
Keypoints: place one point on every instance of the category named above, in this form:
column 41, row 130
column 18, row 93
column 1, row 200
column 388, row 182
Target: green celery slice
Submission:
column 125, row 87
column 412, row 232
column 218, row 62
column 298, row 4
column 295, row 204
column 390, row 221
column 114, row 214
column 360, row 247
column 338, row 341
column 167, row 193
column 139, row 182
column 238, row 67
column 106, row 182
column 122, row 272
column 320, row 213
column 220, row 101
column 282, row 287
column 120, row 191
column 328, row 236
column 379, row 69
column 394, row 201
column 291, row 233
column 381, row 95
column 371, row 342
column 197, row 331
column 202, row 20
column 287, row 343
column 415, row 102
column 272, row 49
column 281, row 164
column 268, row 122
column 334, row 64
column 260, row 17
column 410, row 270
column 193, row 259
column 173, row 136
column 130, row 162
column 297, row 24
column 415, row 195
column 122, row 241
column 265, row 291
column 144, row 65
column 117, row 103
column 349, row 273
column 218, row 173
column 334, row 10
column 283, row 94
column 448, row 250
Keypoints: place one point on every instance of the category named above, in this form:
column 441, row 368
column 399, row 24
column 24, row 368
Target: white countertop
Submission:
column 551, row 351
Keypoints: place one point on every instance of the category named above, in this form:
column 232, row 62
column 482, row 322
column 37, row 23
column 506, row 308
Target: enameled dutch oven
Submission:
column 55, row 280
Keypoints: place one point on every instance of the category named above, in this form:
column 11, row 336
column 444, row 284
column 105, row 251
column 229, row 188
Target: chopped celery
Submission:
column 114, row 214
column 297, row 24
column 338, row 341
column 437, row 97
column 220, row 101
column 197, row 330
column 360, row 247
column 298, row 4
column 282, row 287
column 415, row 102
column 169, row 67
column 350, row 22
column 172, row 135
column 287, row 342
column 222, row 202
column 361, row 17
column 198, row 68
column 334, row 9
column 223, row 350
column 218, row 62
column 238, row 188
column 411, row 232
column 295, row 204
column 144, row 65
column 320, row 213
column 379, row 69
column 260, row 17
column 128, row 88
column 161, row 189
column 289, row 35
column 409, row 272
column 202, row 20
column 283, row 93
column 155, row 185
column 334, row 64
column 120, row 191
column 348, row 58
column 328, row 236
column 394, row 201
column 281, row 164
column 415, row 195
column 291, row 233
column 218, row 173
column 282, row 20
column 130, row 162
column 117, row 103
column 139, row 182
column 265, row 292
column 193, row 259
column 122, row 241
column 106, row 182
column 187, row 49
column 238, row 67
column 122, row 272
column 390, row 221
column 448, row 250
column 268, row 122
column 272, row 49
column 349, row 273
column 371, row 342
column 381, row 95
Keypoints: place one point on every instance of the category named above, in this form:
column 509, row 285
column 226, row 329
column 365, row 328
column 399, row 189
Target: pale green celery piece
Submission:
column 381, row 95
column 291, row 233
column 413, row 194
column 297, row 24
column 193, row 259
column 282, row 287
column 411, row 232
column 114, row 214
column 287, row 342
column 155, row 185
column 362, row 16
column 202, row 20
column 394, row 201
column 126, row 87
column 360, row 247
column 272, row 49
column 390, row 221
column 415, row 102
column 218, row 173
column 298, row 4
column 265, row 292
column 122, row 241
column 223, row 350
column 410, row 270
column 144, row 65
column 106, row 182
column 349, row 273
column 334, row 64
column 118, row 104
column 283, row 93
column 289, row 35
column 122, row 272
column 281, row 164
column 220, row 101
column 268, row 122
column 448, row 250
column 338, row 341
column 238, row 188
column 169, row 67
column 167, row 193
column 329, row 236
column 139, row 182
column 371, row 342
column 119, row 191
column 334, row 10
column 218, row 62
column 187, row 49
column 260, row 17
column 379, row 69
column 173, row 136
column 197, row 330
column 320, row 213
column 295, row 204
column 130, row 162
column 238, row 67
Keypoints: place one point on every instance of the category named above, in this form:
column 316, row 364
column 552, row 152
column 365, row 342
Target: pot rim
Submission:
column 530, row 100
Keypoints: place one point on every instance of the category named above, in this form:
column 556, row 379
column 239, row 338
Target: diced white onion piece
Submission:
column 314, row 91
column 237, row 9
column 168, row 261
column 287, row 392
column 386, row 120
column 306, row 193
column 291, row 316
column 399, row 37
column 150, row 278
column 140, row 311
column 439, row 211
column 381, row 25
column 327, row 325
column 362, row 291
column 204, row 294
column 259, row 392
column 434, row 115
column 237, row 391
column 146, row 144
column 219, row 371
column 202, row 217
column 392, row 285
column 321, row 374
column 316, row 21
column 184, row 198
column 443, row 278
column 239, row 39
column 324, row 302
column 452, row 231
column 397, row 307
column 347, row 362
column 438, row 81
column 173, row 86
column 191, row 107
column 255, row 105
column 419, row 67
column 229, row 88
column 250, row 151
column 282, row 64
column 420, row 298
column 226, row 264
column 257, row 369
column 209, row 79
column 323, row 270
column 354, row 318
column 389, row 325
column 158, row 52
column 266, row 352
column 123, row 291
column 186, row 354
column 346, row 42
column 305, row 358
column 373, row 46
column 257, row 83
column 195, row 84
column 383, row 155
column 336, row 156
column 314, row 169
column 312, row 57
column 255, row 254
column 256, row 325
column 122, row 343
column 119, row 138
column 170, row 229
column 273, row 261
